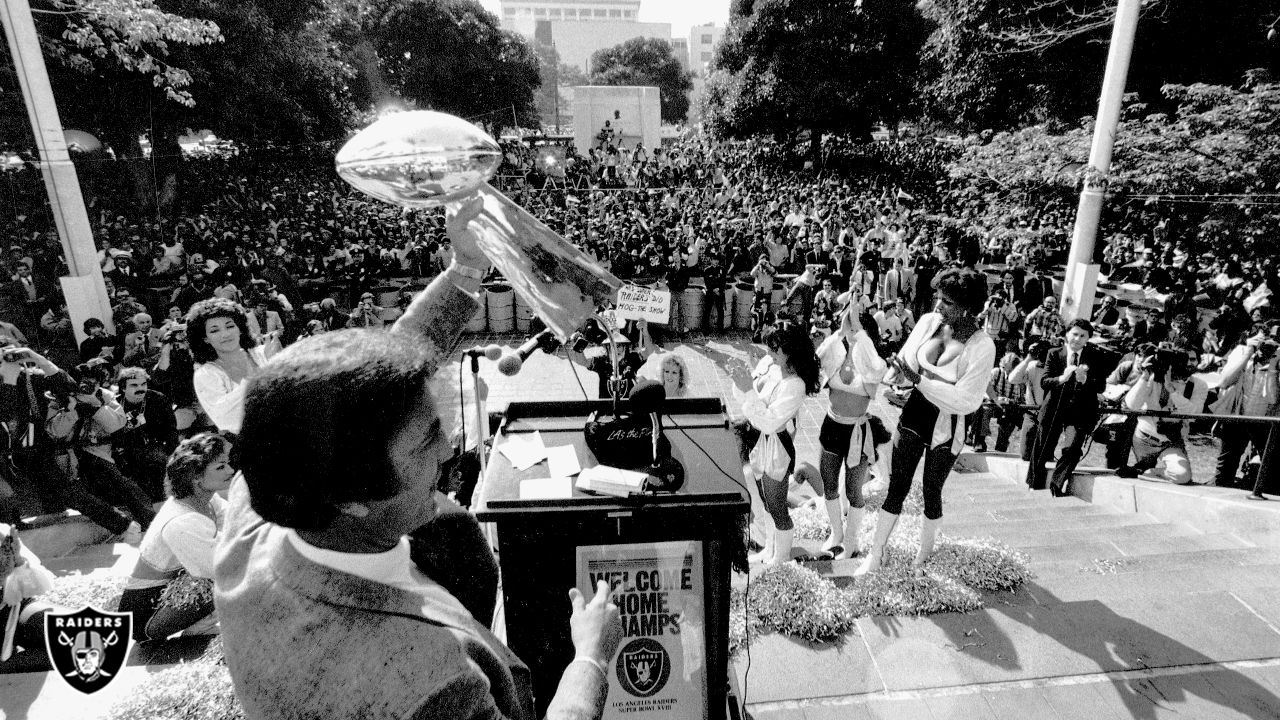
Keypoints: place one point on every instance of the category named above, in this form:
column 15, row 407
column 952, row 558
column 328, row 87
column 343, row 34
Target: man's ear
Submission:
column 354, row 509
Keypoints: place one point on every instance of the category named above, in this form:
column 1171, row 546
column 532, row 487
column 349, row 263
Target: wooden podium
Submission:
column 667, row 557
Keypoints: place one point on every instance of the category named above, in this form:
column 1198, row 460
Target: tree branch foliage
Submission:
column 451, row 56
column 646, row 61
column 129, row 35
column 822, row 65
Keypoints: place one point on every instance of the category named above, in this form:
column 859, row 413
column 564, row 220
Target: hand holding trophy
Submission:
column 426, row 159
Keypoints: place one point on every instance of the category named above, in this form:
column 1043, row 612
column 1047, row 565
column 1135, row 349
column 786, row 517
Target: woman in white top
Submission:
column 780, row 383
column 949, row 359
column 853, row 371
column 226, row 356
column 181, row 537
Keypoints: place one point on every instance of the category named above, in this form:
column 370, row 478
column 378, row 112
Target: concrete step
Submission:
column 1148, row 531
column 1104, row 586
column 1097, row 524
column 1192, row 561
column 959, row 512
column 1102, row 549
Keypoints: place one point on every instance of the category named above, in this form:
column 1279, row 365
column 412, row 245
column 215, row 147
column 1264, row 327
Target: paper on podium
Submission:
column 524, row 451
column 562, row 461
column 554, row 488
column 611, row 481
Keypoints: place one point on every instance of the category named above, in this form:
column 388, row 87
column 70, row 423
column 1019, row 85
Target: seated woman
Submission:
column 227, row 356
column 22, row 580
column 668, row 369
column 181, row 537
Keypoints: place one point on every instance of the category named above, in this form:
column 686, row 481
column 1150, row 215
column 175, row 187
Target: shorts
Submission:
column 834, row 437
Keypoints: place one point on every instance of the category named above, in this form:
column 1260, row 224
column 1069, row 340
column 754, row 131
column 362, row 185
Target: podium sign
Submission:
column 660, row 669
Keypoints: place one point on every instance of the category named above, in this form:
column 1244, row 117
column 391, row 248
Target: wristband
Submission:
column 593, row 663
column 466, row 270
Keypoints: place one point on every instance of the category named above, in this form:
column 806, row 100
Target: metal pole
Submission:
column 85, row 292
column 555, row 83
column 1082, row 275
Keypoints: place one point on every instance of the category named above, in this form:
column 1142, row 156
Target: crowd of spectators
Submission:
column 277, row 232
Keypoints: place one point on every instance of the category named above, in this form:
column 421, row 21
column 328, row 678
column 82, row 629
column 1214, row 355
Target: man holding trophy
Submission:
column 341, row 451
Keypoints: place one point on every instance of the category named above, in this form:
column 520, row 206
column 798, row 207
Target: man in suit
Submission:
column 29, row 296
column 1075, row 374
column 1038, row 287
column 897, row 284
column 315, row 576
column 263, row 321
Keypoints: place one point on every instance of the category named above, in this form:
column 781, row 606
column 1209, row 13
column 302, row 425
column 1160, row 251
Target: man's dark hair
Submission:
column 92, row 323
column 319, row 419
column 967, row 286
column 1081, row 323
column 206, row 310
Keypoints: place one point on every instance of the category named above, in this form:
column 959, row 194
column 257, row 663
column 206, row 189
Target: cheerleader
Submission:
column 853, row 370
column 780, row 383
column 949, row 359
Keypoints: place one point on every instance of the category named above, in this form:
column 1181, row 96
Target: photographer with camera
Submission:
column 1166, row 384
column 173, row 377
column 143, row 445
column 365, row 314
column 84, row 419
column 999, row 320
column 1250, row 386
column 28, row 384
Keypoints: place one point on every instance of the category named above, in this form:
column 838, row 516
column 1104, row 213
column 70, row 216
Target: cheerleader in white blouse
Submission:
column 780, row 383
column 949, row 359
column 852, row 370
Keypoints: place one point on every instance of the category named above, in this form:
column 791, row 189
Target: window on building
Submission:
column 615, row 13
column 601, row 13
column 555, row 13
column 571, row 14
column 629, row 14
column 707, row 39
column 509, row 11
column 540, row 12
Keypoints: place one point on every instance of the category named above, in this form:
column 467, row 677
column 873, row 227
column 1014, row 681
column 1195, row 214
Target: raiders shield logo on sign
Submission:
column 88, row 647
column 643, row 667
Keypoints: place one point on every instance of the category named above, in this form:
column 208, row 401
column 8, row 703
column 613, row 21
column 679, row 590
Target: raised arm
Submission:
column 438, row 314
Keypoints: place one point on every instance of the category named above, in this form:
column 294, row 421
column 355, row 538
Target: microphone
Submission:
column 511, row 363
column 492, row 352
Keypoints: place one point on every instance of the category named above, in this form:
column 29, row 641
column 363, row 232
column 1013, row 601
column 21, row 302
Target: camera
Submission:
column 1164, row 361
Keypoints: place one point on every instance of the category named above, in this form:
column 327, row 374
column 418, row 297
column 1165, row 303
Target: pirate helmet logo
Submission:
column 643, row 667
column 88, row 647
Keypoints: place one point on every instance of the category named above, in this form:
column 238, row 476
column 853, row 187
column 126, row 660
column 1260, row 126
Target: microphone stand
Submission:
column 616, row 373
column 482, row 424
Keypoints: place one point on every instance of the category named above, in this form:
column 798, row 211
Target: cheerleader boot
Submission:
column 852, row 527
column 836, row 517
column 766, row 553
column 781, row 547
column 885, row 521
column 928, row 535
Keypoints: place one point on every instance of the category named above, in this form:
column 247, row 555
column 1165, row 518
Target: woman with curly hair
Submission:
column 226, row 356
column 780, row 383
column 949, row 359
column 180, row 538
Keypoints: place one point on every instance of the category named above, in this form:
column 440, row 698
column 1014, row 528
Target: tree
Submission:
column 826, row 66
column 993, row 64
column 646, row 61
column 1217, row 158
column 555, row 75
column 451, row 56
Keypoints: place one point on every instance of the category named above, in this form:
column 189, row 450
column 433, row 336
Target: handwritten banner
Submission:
column 642, row 303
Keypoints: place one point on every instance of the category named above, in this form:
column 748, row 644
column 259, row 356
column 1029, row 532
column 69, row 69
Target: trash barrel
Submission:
column 499, row 301
column 692, row 299
column 744, row 292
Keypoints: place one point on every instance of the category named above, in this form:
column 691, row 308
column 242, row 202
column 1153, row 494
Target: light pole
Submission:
column 83, row 288
column 1082, row 274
